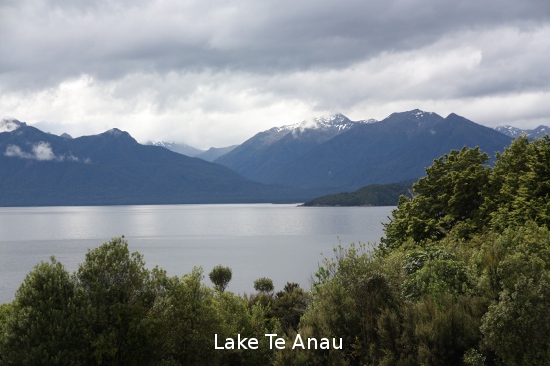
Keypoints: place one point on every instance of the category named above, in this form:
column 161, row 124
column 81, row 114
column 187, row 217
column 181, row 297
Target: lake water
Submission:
column 282, row 242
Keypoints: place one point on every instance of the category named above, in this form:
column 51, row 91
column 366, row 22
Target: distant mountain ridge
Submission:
column 272, row 149
column 215, row 152
column 38, row 169
column 291, row 163
column 179, row 147
column 514, row 132
column 337, row 121
column 395, row 149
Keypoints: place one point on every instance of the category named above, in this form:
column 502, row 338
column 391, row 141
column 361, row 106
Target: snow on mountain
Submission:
column 419, row 114
column 179, row 147
column 539, row 132
column 338, row 122
column 511, row 131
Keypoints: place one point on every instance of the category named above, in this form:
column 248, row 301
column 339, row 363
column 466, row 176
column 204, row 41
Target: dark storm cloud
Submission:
column 213, row 72
column 44, row 42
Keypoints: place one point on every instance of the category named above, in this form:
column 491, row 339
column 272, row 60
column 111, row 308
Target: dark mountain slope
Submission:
column 395, row 149
column 112, row 168
column 259, row 156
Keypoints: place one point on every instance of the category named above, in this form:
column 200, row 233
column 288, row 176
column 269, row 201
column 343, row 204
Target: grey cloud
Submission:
column 8, row 125
column 48, row 41
column 213, row 73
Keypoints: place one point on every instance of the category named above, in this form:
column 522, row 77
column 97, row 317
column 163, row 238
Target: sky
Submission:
column 214, row 73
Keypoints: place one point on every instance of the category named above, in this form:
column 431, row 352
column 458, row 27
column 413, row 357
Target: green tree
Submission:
column 264, row 285
column 43, row 325
column 120, row 294
column 520, row 185
column 517, row 327
column 357, row 289
column 220, row 277
column 238, row 317
column 446, row 327
column 290, row 305
column 448, row 197
column 434, row 271
column 189, row 320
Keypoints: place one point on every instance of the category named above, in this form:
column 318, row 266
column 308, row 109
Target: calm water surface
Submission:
column 282, row 242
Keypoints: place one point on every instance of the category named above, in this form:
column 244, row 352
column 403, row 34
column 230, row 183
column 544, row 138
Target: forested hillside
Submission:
column 371, row 195
column 462, row 277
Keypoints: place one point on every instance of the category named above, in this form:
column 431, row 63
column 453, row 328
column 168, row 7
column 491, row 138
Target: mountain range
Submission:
column 261, row 156
column 38, row 169
column 514, row 132
column 292, row 163
column 342, row 155
column 182, row 148
column 179, row 147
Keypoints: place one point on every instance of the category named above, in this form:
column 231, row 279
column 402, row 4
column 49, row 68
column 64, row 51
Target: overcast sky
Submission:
column 214, row 73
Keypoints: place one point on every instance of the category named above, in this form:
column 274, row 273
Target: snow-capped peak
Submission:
column 511, row 130
column 514, row 132
column 337, row 121
column 179, row 147
column 370, row 120
column 160, row 143
column 419, row 114
column 169, row 144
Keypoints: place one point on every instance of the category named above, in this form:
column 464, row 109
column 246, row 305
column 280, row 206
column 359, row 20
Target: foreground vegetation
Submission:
column 462, row 277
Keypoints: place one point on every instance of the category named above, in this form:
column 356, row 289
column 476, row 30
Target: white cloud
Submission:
column 43, row 151
column 15, row 151
column 40, row 151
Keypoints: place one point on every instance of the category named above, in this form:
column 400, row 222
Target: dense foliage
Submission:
column 462, row 277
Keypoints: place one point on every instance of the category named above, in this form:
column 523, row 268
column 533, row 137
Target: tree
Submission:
column 517, row 327
column 220, row 277
column 433, row 271
column 356, row 290
column 264, row 285
column 520, row 184
column 290, row 305
column 43, row 325
column 120, row 294
column 189, row 319
column 448, row 197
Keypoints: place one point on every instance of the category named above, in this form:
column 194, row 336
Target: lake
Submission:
column 283, row 242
